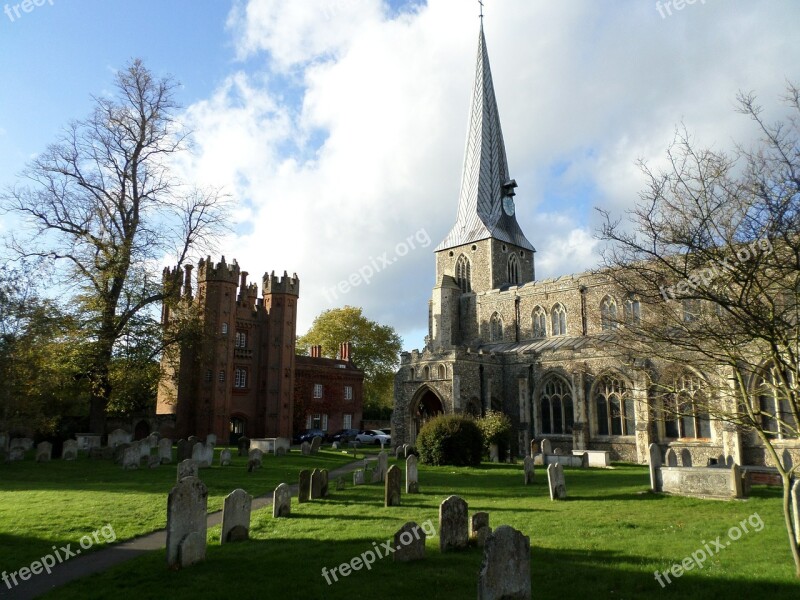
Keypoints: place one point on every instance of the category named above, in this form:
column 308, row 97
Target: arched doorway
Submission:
column 427, row 406
column 238, row 429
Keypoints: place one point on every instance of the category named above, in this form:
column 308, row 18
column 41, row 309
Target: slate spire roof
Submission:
column 485, row 181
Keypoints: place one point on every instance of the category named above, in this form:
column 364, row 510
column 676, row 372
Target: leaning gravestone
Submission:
column 130, row 457
column 453, row 524
column 281, row 501
column 671, row 458
column 391, row 495
column 383, row 463
column 315, row 444
column 165, row 451
column 409, row 543
column 225, row 457
column 358, row 477
column 69, row 451
column 555, row 479
column 305, row 449
column 655, row 465
column 244, row 446
column 316, row 485
column 547, row 448
column 211, row 438
column 236, row 517
column 304, row 487
column 528, row 467
column 479, row 529
column 412, row 485
column 186, row 523
column 323, row 486
column 506, row 568
column 187, row 468
column 44, row 452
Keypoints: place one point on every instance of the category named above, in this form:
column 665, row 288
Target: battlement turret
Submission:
column 281, row 285
column 222, row 271
column 171, row 280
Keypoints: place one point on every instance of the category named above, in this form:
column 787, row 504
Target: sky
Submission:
column 338, row 126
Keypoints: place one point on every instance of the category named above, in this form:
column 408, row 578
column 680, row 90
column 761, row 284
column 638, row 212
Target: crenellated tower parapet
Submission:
column 273, row 284
column 222, row 272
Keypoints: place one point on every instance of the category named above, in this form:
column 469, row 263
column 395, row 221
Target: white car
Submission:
column 373, row 436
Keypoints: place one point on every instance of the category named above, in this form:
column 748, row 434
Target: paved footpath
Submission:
column 101, row 560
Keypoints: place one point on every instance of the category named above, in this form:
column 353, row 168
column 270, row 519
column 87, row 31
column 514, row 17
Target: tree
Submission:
column 104, row 206
column 712, row 254
column 376, row 350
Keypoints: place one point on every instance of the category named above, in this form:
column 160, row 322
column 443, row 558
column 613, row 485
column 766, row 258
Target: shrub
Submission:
column 496, row 429
column 450, row 440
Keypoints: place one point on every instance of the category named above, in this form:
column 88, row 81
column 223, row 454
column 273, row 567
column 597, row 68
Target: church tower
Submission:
column 486, row 249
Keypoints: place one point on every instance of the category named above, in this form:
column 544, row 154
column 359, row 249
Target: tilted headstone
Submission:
column 686, row 458
column 391, row 495
column 236, row 517
column 479, row 528
column 534, row 448
column 316, row 443
column 187, row 468
column 304, row 487
column 383, row 463
column 453, row 524
column 671, row 458
column 44, row 452
column 316, row 485
column 409, row 543
column 131, row 457
column 547, row 447
column 494, row 453
column 358, row 477
column 243, row 445
column 305, row 449
column 119, row 436
column 412, row 484
column 186, row 523
column 505, row 571
column 225, row 457
column 340, row 484
column 654, row 455
column 69, row 451
column 555, row 479
column 165, row 451
column 184, row 450
column 211, row 438
column 528, row 469
column 281, row 501
column 323, row 486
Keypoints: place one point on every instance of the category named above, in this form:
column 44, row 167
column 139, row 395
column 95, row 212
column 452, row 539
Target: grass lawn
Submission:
column 605, row 541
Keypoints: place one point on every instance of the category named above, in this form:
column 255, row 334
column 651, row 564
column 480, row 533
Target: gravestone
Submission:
column 187, row 468
column 280, row 451
column 315, row 444
column 398, row 452
column 671, row 458
column 796, row 508
column 686, row 458
column 145, row 447
column 383, row 463
column 557, row 452
column 119, row 452
column 453, row 524
column 225, row 457
column 505, row 571
column 528, row 469
column 16, row 453
column 547, row 448
column 243, row 445
column 323, row 486
column 305, row 449
column 236, row 517
column 534, row 448
column 335, row 446
column 208, row 455
column 101, row 453
column 24, row 443
column 69, row 451
column 479, row 528
column 119, row 436
column 255, row 457
column 316, row 485
column 376, row 475
column 211, row 438
column 391, row 496
column 358, row 477
column 281, row 501
column 186, row 523
column 409, row 450
column 304, row 487
column 153, row 461
column 165, row 451
column 340, row 484
column 44, row 452
column 199, row 453
column 409, row 543
column 555, row 479
column 655, row 465
column 494, row 453
column 131, row 457
column 412, row 484
column 193, row 439
column 184, row 450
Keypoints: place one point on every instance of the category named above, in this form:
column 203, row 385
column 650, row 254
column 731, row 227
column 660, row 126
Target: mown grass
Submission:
column 605, row 541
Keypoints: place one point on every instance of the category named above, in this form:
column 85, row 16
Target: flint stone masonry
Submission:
column 69, row 451
column 453, row 524
column 225, row 457
column 186, row 523
column 412, row 485
column 44, row 452
column 165, row 451
column 528, row 470
column 686, row 458
column 315, row 444
column 281, row 501
column 187, row 468
column 119, row 436
column 409, row 543
column 505, row 571
column 358, row 477
column 236, row 517
column 391, row 495
column 555, row 479
column 304, row 487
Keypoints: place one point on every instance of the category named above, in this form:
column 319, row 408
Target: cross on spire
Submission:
column 481, row 3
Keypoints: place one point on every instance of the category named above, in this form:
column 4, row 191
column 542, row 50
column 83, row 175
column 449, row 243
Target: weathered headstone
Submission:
column 225, row 457
column 281, row 501
column 655, row 464
column 340, row 484
column 280, row 451
column 528, row 469
column 119, row 436
column 737, row 484
column 101, row 453
column 131, row 457
column 671, row 458
column 391, row 495
column 255, row 456
column 236, row 517
column 412, row 484
column 555, row 479
column 534, row 448
column 184, row 450
column 208, row 455
column 383, row 463
column 145, row 447
column 399, row 452
column 187, row 468
column 506, row 567
column 69, row 451
column 44, row 451
column 494, row 453
column 305, row 449
column 409, row 450
column 686, row 458
column 24, row 443
column 199, row 453
column 165, row 451
column 16, row 453
column 316, row 485
column 335, row 446
column 119, row 452
column 193, row 439
column 243, row 445
column 316, row 443
column 153, row 461
column 479, row 528
column 323, row 486
column 304, row 487
column 375, row 476
column 358, row 477
column 547, row 447
column 557, row 452
column 186, row 523
column 453, row 524
column 211, row 438
column 409, row 543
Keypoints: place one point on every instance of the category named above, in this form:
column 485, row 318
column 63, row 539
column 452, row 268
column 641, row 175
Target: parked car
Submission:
column 345, row 435
column 307, row 435
column 374, row 436
column 387, row 430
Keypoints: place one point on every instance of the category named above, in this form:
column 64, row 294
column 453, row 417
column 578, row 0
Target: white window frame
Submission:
column 318, row 391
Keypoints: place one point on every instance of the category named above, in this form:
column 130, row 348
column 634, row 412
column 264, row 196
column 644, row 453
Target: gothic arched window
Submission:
column 496, row 328
column 614, row 412
column 513, row 270
column 539, row 322
column 608, row 313
column 558, row 318
column 463, row 275
column 556, row 406
column 774, row 404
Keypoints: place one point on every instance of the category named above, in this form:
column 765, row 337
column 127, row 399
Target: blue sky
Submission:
column 338, row 125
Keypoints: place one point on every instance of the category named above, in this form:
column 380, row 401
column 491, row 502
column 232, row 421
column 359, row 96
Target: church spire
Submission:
column 485, row 184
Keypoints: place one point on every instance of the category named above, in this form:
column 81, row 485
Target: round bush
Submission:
column 496, row 428
column 450, row 440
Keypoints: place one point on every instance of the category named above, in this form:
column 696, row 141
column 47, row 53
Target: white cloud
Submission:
column 342, row 132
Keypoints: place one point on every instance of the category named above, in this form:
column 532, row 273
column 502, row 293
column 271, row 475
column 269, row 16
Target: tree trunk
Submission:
column 791, row 530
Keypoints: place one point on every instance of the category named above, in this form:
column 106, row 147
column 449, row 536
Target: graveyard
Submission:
column 606, row 538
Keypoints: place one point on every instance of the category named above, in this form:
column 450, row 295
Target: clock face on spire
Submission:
column 508, row 206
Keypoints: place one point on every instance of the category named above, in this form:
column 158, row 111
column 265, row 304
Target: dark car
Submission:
column 345, row 435
column 307, row 435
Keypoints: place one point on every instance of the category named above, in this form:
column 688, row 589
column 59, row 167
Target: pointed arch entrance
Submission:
column 426, row 405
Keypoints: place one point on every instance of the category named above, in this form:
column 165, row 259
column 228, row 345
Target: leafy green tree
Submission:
column 496, row 429
column 375, row 350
